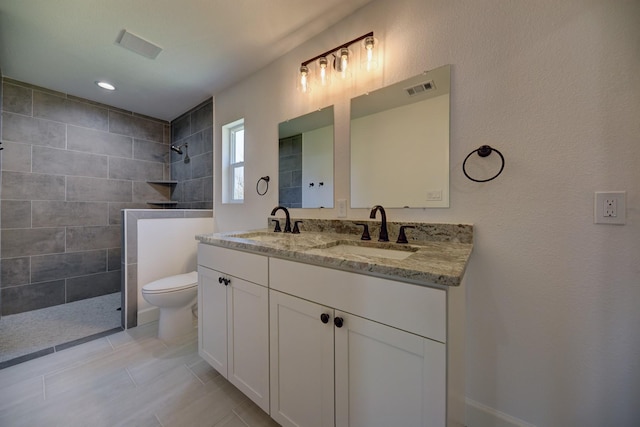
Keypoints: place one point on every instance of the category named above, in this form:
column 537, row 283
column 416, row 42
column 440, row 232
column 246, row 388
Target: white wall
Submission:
column 166, row 247
column 553, row 300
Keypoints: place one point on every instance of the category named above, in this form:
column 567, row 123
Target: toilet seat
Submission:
column 175, row 283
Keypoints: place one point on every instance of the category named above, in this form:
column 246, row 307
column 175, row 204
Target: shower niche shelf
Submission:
column 163, row 203
column 166, row 203
column 163, row 182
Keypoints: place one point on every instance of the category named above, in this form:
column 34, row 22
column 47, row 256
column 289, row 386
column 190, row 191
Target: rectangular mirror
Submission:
column 400, row 144
column 305, row 160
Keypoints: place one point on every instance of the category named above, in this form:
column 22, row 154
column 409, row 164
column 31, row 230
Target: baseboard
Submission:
column 148, row 315
column 479, row 415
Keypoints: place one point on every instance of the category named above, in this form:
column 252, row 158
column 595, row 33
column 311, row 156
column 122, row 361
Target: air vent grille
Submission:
column 421, row 88
column 138, row 45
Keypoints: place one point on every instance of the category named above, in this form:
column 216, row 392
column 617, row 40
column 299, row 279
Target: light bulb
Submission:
column 370, row 62
column 324, row 71
column 304, row 78
column 344, row 62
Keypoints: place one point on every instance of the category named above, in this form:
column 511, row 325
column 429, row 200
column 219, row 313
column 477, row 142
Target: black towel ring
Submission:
column 265, row 179
column 483, row 151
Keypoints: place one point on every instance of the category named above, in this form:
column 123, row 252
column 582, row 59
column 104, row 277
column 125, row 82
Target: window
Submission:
column 233, row 158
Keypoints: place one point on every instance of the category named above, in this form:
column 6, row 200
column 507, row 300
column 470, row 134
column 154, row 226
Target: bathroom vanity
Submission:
column 318, row 333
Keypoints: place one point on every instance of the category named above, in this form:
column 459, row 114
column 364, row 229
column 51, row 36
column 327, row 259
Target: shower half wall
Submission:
column 68, row 167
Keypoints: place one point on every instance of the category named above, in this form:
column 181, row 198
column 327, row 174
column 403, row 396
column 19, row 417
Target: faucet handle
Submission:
column 402, row 237
column 365, row 232
column 277, row 228
column 296, row 230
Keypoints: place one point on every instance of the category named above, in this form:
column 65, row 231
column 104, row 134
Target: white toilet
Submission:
column 174, row 296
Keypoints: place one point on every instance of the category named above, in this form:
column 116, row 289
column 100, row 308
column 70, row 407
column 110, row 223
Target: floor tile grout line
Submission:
column 131, row 377
column 194, row 374
column 158, row 419
column 44, row 389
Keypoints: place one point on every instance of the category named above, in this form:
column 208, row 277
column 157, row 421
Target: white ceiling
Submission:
column 67, row 45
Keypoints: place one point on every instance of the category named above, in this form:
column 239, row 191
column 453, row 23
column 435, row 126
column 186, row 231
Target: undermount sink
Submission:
column 260, row 236
column 349, row 248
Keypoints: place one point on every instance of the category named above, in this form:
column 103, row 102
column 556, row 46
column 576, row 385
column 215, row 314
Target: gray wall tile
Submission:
column 50, row 214
column 150, row 151
column 97, row 142
column 65, row 110
column 194, row 190
column 15, row 271
column 19, row 299
column 136, row 127
column 134, row 170
column 98, row 190
column 16, row 157
column 16, row 99
column 132, row 294
column 36, row 241
column 31, row 186
column 90, row 238
column 202, row 165
column 114, row 258
column 95, row 285
column 116, row 208
column 143, row 192
column 202, row 117
column 181, row 128
column 63, row 162
column 18, row 128
column 59, row 266
column 16, row 214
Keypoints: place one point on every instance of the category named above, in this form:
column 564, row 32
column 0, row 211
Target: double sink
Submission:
column 328, row 246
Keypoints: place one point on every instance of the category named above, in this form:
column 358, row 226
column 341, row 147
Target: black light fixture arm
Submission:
column 347, row 44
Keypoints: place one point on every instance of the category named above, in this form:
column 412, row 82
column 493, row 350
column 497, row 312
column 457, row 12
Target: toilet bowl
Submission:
column 174, row 296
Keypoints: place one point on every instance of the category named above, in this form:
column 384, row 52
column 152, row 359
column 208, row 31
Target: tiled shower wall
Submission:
column 290, row 171
column 68, row 167
column 195, row 175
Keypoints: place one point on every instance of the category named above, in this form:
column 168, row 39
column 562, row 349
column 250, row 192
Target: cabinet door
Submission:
column 248, row 339
column 387, row 377
column 302, row 365
column 212, row 319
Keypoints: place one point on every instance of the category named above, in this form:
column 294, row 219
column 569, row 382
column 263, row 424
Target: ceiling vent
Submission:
column 138, row 45
column 421, row 88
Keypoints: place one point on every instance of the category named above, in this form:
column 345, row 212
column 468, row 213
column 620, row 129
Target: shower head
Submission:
column 177, row 149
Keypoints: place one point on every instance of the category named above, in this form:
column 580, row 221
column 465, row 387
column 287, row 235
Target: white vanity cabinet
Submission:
column 233, row 318
column 302, row 364
column 383, row 363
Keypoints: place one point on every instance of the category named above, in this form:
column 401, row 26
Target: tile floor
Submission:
column 34, row 333
column 130, row 378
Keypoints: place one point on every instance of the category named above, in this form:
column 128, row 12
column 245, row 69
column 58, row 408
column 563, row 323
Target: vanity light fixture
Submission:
column 340, row 58
column 105, row 85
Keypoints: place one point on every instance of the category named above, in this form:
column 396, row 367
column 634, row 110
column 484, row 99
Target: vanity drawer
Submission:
column 251, row 267
column 417, row 309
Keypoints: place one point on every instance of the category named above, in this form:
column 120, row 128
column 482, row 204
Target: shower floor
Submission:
column 25, row 336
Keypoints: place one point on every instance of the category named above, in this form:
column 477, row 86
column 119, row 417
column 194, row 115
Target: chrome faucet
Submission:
column 384, row 235
column 287, row 224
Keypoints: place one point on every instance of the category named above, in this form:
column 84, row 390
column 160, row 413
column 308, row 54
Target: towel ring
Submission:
column 483, row 151
column 265, row 179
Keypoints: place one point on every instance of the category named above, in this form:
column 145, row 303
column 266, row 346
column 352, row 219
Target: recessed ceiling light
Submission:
column 105, row 85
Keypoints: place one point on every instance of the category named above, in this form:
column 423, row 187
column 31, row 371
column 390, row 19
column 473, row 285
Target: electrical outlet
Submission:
column 342, row 208
column 434, row 195
column 610, row 207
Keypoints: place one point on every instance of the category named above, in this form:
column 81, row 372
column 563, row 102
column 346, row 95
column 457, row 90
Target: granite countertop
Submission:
column 429, row 262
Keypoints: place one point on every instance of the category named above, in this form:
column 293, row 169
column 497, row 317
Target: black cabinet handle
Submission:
column 224, row 280
column 324, row 318
column 220, row 279
column 338, row 321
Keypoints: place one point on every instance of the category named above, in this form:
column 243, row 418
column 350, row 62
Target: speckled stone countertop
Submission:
column 438, row 253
